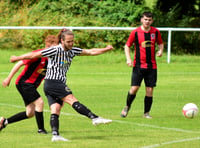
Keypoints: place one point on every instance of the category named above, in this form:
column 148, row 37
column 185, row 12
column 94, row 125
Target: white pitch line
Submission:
column 158, row 127
column 119, row 121
column 171, row 142
column 45, row 110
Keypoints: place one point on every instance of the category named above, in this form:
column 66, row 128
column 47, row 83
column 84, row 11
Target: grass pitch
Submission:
column 101, row 83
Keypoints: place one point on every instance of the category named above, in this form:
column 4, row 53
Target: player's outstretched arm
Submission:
column 16, row 67
column 96, row 51
column 30, row 55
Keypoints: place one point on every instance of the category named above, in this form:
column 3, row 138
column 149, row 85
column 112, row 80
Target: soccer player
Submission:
column 27, row 83
column 56, row 90
column 144, row 64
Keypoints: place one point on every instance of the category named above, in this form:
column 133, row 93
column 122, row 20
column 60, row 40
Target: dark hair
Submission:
column 62, row 33
column 147, row 14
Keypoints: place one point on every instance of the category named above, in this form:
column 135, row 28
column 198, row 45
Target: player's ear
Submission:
column 152, row 20
column 62, row 41
column 141, row 20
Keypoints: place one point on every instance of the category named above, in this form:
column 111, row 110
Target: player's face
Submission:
column 68, row 42
column 146, row 21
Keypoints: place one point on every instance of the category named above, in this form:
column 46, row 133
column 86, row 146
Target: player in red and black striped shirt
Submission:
column 27, row 83
column 144, row 64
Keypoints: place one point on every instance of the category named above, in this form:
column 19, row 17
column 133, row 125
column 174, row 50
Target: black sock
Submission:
column 39, row 119
column 81, row 109
column 130, row 99
column 54, row 122
column 147, row 104
column 17, row 117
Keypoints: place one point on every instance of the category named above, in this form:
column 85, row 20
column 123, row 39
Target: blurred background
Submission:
column 100, row 13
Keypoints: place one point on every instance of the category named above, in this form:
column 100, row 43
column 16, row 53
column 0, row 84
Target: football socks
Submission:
column 39, row 119
column 17, row 117
column 54, row 122
column 130, row 99
column 147, row 104
column 80, row 108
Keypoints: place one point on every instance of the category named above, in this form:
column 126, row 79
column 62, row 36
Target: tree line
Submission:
column 112, row 13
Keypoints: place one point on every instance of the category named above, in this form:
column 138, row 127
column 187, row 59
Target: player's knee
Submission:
column 55, row 108
column 30, row 114
column 39, row 103
column 70, row 99
column 133, row 90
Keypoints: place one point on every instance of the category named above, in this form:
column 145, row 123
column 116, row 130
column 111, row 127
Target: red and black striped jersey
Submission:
column 144, row 43
column 34, row 71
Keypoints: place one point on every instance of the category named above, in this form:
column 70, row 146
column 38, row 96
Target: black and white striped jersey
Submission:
column 59, row 61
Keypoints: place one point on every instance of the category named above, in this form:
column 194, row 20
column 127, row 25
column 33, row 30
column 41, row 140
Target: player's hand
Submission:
column 129, row 63
column 13, row 59
column 6, row 82
column 109, row 47
column 159, row 53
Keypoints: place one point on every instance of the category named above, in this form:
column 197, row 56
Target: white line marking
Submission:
column 138, row 124
column 171, row 142
column 2, row 73
column 119, row 121
column 158, row 127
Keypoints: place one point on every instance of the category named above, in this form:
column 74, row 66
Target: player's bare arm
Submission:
column 160, row 51
column 96, row 51
column 128, row 56
column 30, row 55
column 6, row 81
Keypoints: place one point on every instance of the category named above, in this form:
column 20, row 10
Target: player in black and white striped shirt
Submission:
column 56, row 90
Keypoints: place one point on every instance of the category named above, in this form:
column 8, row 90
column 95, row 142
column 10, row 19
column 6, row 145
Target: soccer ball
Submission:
column 190, row 110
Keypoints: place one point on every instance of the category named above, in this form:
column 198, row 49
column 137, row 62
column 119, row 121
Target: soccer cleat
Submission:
column 100, row 120
column 2, row 125
column 124, row 112
column 146, row 115
column 58, row 138
column 42, row 131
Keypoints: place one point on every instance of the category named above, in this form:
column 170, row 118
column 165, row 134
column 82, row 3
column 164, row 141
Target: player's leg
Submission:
column 83, row 110
column 54, row 122
column 31, row 96
column 54, row 119
column 39, row 105
column 129, row 100
column 150, row 81
column 18, row 117
column 136, row 80
column 54, row 90
column 148, row 100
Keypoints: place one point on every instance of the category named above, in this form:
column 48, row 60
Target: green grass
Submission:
column 102, row 83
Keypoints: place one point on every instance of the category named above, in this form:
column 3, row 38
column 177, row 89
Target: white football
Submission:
column 190, row 110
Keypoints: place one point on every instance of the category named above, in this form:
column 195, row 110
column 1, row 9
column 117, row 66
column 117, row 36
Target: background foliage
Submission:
column 120, row 13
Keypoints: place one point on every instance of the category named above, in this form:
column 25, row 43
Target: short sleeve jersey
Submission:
column 144, row 43
column 34, row 71
column 59, row 61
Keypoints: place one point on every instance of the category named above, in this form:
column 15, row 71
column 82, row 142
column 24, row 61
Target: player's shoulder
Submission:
column 154, row 28
column 136, row 29
column 76, row 49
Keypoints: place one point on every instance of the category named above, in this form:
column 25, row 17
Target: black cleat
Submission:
column 42, row 131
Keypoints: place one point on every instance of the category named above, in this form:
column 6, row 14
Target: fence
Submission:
column 169, row 30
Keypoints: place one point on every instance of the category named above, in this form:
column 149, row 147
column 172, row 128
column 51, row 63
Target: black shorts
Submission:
column 149, row 76
column 56, row 90
column 28, row 92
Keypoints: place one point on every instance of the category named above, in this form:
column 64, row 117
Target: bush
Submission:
column 120, row 13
